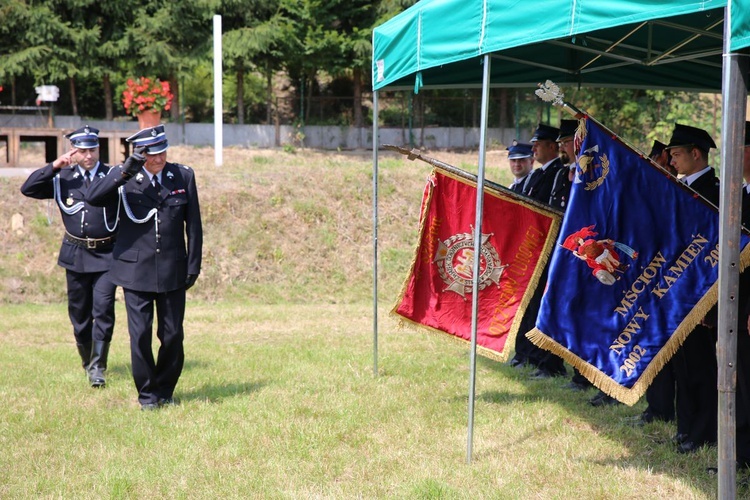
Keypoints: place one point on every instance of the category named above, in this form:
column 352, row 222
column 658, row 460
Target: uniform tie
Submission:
column 155, row 182
column 87, row 178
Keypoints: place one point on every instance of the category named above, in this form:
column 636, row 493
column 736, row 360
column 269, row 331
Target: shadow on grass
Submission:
column 648, row 446
column 214, row 393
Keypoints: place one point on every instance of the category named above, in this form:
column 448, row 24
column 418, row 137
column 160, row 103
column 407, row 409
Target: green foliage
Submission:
column 315, row 42
column 642, row 116
column 198, row 93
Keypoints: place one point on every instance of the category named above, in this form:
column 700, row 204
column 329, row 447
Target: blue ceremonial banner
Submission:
column 634, row 270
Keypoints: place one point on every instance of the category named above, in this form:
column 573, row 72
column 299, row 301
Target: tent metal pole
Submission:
column 734, row 95
column 375, row 233
column 477, row 251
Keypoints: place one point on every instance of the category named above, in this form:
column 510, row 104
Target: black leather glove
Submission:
column 190, row 281
column 134, row 163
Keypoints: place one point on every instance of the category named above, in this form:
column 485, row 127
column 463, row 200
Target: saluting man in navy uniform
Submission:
column 86, row 251
column 156, row 258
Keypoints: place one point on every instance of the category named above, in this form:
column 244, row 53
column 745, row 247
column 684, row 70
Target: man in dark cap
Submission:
column 660, row 155
column 560, row 194
column 539, row 188
column 559, row 198
column 521, row 163
column 743, row 330
column 86, row 251
column 544, row 147
column 660, row 395
column 156, row 259
column 695, row 362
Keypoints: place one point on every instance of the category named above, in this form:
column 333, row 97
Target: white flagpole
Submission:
column 218, row 102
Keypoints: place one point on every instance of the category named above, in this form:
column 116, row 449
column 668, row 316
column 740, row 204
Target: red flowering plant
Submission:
column 145, row 93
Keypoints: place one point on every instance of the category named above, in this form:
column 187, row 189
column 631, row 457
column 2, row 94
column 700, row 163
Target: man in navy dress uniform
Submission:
column 86, row 251
column 521, row 162
column 695, row 362
column 157, row 257
column 742, row 398
column 546, row 152
column 539, row 187
column 560, row 194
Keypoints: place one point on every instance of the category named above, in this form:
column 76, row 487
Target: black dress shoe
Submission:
column 679, row 438
column 575, row 386
column 540, row 375
column 169, row 402
column 687, row 447
column 602, row 399
column 517, row 363
column 149, row 406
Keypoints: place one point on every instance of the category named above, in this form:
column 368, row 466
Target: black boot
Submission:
column 84, row 350
column 98, row 365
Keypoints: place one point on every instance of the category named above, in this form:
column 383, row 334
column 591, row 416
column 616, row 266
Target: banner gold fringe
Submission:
column 612, row 388
column 549, row 246
column 403, row 323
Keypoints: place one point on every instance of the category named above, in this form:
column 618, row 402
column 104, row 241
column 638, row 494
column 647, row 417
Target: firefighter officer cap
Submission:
column 519, row 150
column 545, row 132
column 84, row 138
column 154, row 139
column 567, row 129
column 685, row 135
column 657, row 149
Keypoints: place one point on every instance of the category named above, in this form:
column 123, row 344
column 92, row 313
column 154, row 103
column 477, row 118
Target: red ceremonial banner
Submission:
column 517, row 239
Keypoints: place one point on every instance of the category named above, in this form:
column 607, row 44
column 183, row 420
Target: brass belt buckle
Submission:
column 90, row 243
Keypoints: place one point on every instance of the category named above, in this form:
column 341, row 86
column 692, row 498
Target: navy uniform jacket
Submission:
column 707, row 185
column 540, row 185
column 151, row 254
column 81, row 219
column 560, row 194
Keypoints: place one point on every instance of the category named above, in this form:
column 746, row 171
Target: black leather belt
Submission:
column 90, row 243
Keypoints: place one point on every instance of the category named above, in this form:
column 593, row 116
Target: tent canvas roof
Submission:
column 676, row 44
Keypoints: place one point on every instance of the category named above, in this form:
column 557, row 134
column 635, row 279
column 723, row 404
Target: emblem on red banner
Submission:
column 455, row 261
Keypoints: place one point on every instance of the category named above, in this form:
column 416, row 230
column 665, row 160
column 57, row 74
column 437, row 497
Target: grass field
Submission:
column 279, row 399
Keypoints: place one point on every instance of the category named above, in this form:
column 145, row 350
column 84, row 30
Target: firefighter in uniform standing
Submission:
column 695, row 364
column 86, row 251
column 539, row 187
column 157, row 257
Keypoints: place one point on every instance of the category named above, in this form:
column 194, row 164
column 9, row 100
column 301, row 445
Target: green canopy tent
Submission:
column 440, row 43
column 672, row 44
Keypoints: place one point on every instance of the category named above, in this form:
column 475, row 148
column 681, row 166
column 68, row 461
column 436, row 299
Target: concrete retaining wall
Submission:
column 269, row 136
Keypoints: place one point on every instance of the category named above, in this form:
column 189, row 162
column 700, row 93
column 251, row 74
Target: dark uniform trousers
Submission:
column 91, row 294
column 742, row 396
column 91, row 306
column 151, row 262
column 539, row 187
column 694, row 363
column 156, row 379
column 661, row 394
column 743, row 393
